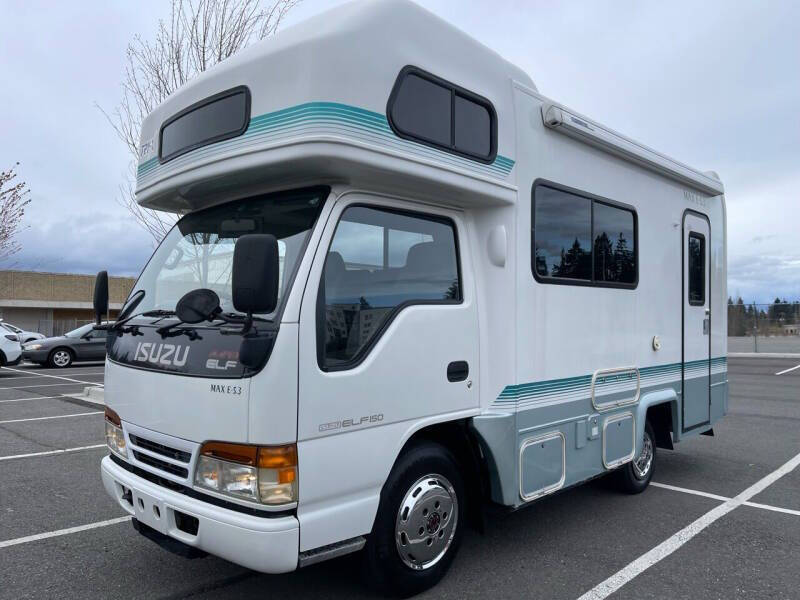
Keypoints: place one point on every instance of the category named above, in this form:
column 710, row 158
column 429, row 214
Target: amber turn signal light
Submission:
column 112, row 417
column 265, row 457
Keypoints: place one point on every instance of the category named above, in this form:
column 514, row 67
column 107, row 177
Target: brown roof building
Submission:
column 53, row 303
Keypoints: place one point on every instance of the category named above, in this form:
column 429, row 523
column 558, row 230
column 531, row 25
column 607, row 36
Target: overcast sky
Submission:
column 713, row 84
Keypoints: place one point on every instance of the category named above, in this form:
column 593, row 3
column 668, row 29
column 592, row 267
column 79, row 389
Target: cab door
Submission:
column 388, row 343
column 696, row 301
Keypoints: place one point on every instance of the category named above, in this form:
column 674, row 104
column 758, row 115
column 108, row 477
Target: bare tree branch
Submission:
column 197, row 35
column 14, row 197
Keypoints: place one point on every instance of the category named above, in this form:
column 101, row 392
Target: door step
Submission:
column 316, row 555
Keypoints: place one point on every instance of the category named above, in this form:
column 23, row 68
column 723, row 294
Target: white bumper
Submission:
column 12, row 352
column 266, row 544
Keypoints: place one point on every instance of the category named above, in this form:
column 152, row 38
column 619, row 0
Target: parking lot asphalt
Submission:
column 589, row 541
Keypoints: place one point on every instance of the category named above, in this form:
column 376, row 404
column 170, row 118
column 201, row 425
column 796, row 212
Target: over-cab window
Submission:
column 427, row 109
column 380, row 261
column 582, row 240
column 221, row 117
column 697, row 269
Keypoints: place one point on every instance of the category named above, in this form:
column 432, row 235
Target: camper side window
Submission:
column 379, row 262
column 582, row 240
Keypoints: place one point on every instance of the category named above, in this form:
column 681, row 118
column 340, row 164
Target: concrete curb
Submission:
column 92, row 394
column 762, row 355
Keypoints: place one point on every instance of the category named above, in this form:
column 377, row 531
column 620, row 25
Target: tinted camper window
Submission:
column 427, row 109
column 613, row 244
column 582, row 240
column 562, row 244
column 473, row 127
column 378, row 262
column 423, row 109
column 697, row 269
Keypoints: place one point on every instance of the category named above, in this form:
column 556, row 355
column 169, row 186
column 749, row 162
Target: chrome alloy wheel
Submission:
column 426, row 522
column 61, row 358
column 643, row 462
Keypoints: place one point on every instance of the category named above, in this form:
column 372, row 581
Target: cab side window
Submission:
column 379, row 262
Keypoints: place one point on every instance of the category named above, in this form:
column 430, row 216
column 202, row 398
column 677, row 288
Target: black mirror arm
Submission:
column 246, row 322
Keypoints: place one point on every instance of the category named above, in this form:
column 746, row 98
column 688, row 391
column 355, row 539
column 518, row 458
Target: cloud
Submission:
column 762, row 238
column 81, row 244
column 762, row 278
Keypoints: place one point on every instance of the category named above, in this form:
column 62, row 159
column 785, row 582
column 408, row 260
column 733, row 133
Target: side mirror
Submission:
column 100, row 296
column 255, row 273
column 197, row 306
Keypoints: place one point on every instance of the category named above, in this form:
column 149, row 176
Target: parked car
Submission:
column 10, row 349
column 22, row 335
column 83, row 343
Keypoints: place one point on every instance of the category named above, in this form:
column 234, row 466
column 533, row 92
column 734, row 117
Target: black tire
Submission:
column 633, row 478
column 385, row 568
column 2, row 359
column 56, row 361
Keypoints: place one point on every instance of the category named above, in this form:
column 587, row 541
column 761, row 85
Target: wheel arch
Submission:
column 457, row 437
column 661, row 409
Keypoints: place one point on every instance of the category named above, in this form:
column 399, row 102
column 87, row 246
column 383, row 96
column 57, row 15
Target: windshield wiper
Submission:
column 231, row 317
column 134, row 329
column 159, row 312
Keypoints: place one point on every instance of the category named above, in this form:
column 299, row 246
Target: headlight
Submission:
column 115, row 438
column 31, row 346
column 265, row 474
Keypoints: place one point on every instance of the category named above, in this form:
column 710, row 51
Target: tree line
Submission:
column 747, row 319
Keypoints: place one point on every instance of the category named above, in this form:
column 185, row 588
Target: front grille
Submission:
column 161, row 449
column 160, row 464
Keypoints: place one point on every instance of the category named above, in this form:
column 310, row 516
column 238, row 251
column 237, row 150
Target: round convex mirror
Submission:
column 198, row 306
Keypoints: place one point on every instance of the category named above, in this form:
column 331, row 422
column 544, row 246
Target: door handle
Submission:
column 457, row 371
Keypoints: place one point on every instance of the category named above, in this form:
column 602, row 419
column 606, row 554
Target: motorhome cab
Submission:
column 406, row 285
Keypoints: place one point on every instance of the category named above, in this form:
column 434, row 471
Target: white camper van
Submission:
column 406, row 285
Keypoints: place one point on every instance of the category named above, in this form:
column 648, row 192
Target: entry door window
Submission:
column 697, row 269
column 379, row 262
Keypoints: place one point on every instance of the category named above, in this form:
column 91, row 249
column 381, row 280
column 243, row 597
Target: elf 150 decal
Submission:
column 354, row 422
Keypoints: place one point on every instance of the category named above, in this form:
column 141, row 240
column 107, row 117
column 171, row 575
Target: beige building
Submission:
column 53, row 303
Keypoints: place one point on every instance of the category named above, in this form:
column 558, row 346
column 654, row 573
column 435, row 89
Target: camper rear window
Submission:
column 582, row 240
column 220, row 117
column 427, row 109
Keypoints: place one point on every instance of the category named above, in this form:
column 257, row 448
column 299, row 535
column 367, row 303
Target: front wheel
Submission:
column 634, row 477
column 419, row 523
column 60, row 358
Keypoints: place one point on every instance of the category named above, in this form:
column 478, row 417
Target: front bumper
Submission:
column 266, row 544
column 13, row 357
column 37, row 356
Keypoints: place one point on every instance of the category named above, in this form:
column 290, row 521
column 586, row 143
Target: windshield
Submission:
column 198, row 250
column 76, row 333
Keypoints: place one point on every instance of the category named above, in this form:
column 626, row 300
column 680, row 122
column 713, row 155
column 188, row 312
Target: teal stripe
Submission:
column 512, row 393
column 351, row 118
